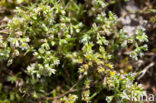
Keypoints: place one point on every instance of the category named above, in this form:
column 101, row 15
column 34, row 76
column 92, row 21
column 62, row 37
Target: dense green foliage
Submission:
column 65, row 51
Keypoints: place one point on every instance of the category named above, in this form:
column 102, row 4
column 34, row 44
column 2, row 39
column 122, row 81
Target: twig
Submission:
column 70, row 90
column 150, row 54
column 3, row 26
column 3, row 32
column 143, row 72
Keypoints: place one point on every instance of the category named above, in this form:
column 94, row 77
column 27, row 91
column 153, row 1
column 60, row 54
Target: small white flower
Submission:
column 57, row 62
column 48, row 52
column 77, row 30
column 98, row 18
column 68, row 36
column 35, row 53
column 63, row 12
column 80, row 24
column 38, row 75
column 16, row 44
column 27, row 40
column 53, row 71
column 46, row 65
column 30, row 68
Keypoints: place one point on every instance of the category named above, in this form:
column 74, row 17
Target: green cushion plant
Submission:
column 64, row 51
